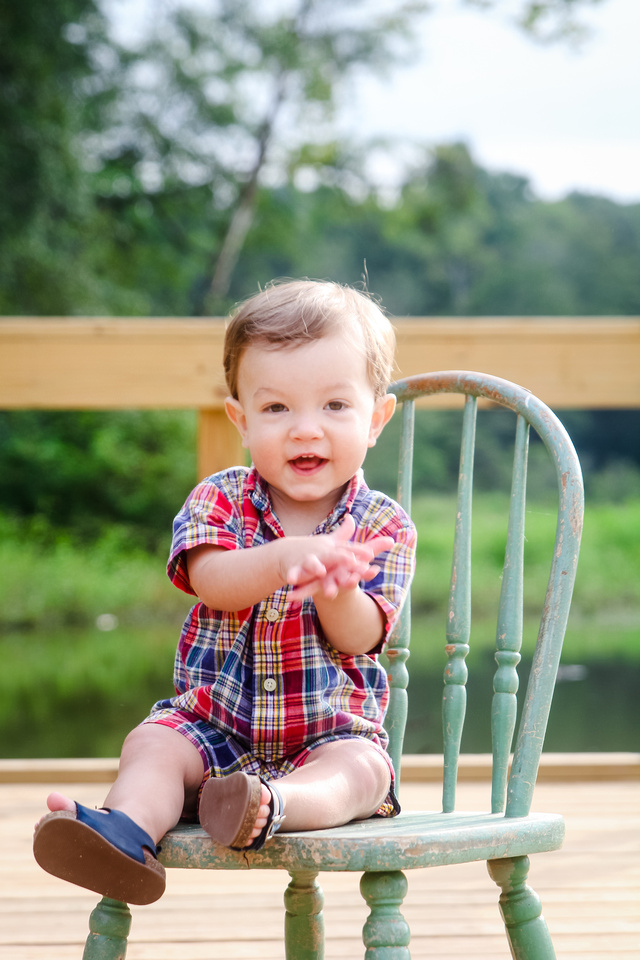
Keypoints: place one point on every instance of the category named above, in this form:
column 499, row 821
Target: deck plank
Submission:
column 590, row 891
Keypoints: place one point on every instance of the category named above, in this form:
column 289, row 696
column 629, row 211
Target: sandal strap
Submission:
column 119, row 830
column 276, row 816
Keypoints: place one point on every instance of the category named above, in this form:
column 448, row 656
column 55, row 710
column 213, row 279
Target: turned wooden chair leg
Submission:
column 386, row 933
column 521, row 910
column 304, row 921
column 109, row 926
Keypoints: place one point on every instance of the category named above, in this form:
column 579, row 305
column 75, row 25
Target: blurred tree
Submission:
column 458, row 240
column 130, row 175
column 229, row 99
column 50, row 96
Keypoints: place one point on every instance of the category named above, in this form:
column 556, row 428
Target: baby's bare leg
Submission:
column 159, row 776
column 341, row 781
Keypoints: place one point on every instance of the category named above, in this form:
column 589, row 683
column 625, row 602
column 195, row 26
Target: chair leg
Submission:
column 521, row 910
column 386, row 933
column 303, row 920
column 109, row 926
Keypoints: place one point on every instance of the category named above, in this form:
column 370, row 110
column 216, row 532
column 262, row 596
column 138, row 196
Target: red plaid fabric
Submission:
column 265, row 678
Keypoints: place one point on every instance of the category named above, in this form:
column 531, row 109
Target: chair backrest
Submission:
column 512, row 789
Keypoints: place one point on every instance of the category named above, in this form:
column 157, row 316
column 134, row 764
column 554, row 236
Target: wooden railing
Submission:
column 95, row 363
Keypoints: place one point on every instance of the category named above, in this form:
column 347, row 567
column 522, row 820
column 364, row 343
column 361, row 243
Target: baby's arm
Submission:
column 236, row 579
column 351, row 619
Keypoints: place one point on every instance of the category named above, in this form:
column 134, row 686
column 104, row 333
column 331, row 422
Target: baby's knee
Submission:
column 371, row 768
column 149, row 738
column 380, row 770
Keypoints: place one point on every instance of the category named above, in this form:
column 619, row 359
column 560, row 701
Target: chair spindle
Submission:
column 454, row 700
column 304, row 919
column 509, row 629
column 397, row 650
column 386, row 933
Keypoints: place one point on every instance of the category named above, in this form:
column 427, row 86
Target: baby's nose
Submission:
column 307, row 426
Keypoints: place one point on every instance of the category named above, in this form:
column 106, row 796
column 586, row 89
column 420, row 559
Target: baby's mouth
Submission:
column 307, row 463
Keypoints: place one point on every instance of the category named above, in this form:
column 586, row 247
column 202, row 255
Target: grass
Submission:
column 50, row 585
column 59, row 666
column 605, row 614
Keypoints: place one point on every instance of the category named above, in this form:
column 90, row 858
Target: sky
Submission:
column 567, row 119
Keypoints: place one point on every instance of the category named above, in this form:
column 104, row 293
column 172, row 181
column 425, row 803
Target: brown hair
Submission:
column 293, row 312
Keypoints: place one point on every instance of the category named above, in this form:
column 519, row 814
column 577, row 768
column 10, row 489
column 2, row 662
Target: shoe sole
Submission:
column 229, row 808
column 73, row 851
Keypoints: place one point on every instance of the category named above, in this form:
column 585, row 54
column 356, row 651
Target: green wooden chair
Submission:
column 506, row 834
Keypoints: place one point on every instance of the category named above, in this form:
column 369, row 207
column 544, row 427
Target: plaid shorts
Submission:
column 223, row 754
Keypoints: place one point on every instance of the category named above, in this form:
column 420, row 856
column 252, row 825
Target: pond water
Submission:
column 596, row 707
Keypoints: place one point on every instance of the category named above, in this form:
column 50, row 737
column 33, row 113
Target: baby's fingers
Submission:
column 370, row 573
column 379, row 545
column 304, row 590
column 311, row 568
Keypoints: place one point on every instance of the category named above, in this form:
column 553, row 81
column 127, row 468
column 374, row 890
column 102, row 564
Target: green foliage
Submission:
column 47, row 247
column 214, row 99
column 52, row 582
column 84, row 472
column 457, row 241
column 128, row 173
column 605, row 613
column 85, row 475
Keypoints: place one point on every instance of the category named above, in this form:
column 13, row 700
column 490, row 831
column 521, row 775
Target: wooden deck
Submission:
column 590, row 889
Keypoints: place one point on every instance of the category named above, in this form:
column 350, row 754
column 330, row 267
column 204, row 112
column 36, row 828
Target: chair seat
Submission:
column 406, row 842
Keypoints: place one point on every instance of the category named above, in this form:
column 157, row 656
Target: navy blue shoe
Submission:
column 104, row 852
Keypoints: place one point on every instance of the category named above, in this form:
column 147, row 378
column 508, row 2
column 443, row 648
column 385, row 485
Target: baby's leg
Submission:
column 113, row 852
column 159, row 777
column 342, row 780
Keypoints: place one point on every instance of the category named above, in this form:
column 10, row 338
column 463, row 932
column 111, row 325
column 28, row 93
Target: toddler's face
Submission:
column 307, row 414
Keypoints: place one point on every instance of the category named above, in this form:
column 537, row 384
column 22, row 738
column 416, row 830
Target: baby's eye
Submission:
column 275, row 408
column 336, row 405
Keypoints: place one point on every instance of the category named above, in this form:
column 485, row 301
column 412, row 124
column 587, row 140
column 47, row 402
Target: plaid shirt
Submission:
column 266, row 675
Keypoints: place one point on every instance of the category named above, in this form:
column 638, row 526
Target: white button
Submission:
column 272, row 615
column 270, row 684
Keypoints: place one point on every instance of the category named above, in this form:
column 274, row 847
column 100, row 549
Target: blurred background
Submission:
column 166, row 159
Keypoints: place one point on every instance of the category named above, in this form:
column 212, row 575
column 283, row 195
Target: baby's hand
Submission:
column 334, row 562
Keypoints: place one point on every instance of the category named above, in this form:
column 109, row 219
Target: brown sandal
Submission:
column 104, row 852
column 229, row 809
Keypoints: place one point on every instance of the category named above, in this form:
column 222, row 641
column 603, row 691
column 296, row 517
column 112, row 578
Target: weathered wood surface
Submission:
column 590, row 890
column 102, row 363
column 416, row 767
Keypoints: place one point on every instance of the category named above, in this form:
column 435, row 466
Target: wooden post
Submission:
column 219, row 443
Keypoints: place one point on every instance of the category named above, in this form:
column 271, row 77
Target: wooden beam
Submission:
column 568, row 363
column 219, row 443
column 582, row 362
column 108, row 364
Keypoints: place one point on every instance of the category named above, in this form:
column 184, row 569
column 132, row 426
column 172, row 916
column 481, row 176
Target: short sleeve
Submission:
column 211, row 514
column 390, row 586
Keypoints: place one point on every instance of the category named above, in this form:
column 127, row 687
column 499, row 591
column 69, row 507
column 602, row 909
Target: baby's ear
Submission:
column 237, row 416
column 382, row 413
